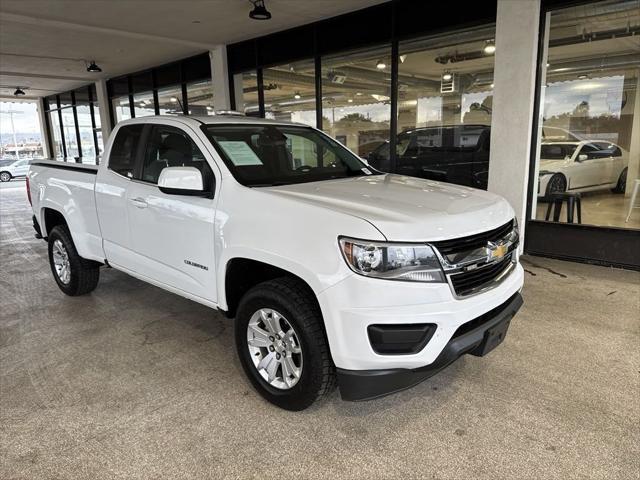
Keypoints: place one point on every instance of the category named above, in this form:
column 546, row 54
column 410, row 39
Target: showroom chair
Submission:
column 574, row 202
column 634, row 195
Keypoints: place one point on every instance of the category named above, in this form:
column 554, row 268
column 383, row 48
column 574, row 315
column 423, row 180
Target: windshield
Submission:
column 557, row 151
column 267, row 155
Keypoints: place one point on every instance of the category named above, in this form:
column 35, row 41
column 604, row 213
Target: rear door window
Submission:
column 123, row 154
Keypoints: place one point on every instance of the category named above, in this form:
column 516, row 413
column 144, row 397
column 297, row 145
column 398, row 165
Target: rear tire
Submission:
column 73, row 274
column 621, row 186
column 290, row 301
column 5, row 177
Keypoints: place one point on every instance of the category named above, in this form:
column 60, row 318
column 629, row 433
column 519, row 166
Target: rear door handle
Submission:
column 139, row 202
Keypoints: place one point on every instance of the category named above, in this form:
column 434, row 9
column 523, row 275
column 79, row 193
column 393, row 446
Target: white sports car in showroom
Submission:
column 581, row 166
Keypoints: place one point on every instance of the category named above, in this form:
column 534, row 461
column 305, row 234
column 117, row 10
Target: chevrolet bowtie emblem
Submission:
column 496, row 252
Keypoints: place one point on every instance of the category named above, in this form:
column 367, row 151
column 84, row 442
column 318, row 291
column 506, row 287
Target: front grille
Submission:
column 479, row 240
column 465, row 283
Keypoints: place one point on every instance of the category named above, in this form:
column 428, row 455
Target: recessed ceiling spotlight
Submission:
column 93, row 68
column 350, row 100
column 358, row 93
column 447, row 75
column 583, row 77
column 297, row 96
column 489, row 47
column 402, row 58
column 174, row 99
column 381, row 65
column 259, row 11
column 492, row 85
column 19, row 92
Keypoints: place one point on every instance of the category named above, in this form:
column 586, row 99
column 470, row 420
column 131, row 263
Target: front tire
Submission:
column 282, row 345
column 73, row 274
column 621, row 186
column 5, row 177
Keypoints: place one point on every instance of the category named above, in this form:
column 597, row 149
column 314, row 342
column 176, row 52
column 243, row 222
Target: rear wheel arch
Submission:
column 51, row 219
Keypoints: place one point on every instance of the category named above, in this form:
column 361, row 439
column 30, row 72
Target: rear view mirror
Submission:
column 582, row 157
column 181, row 181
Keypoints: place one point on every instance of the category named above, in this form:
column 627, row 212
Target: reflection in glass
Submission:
column 356, row 94
column 86, row 132
column 289, row 92
column 170, row 100
column 143, row 104
column 121, row 108
column 589, row 140
column 69, row 129
column 246, row 93
column 445, row 95
column 56, row 136
column 200, row 98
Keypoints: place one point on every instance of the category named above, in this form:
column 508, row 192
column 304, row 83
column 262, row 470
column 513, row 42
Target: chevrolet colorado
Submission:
column 333, row 271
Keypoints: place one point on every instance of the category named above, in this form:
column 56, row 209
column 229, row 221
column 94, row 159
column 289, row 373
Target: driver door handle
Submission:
column 139, row 202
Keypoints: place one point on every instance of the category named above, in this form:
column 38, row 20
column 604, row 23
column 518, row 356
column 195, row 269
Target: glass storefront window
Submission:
column 143, row 104
column 86, row 132
column 170, row 100
column 121, row 108
column 445, row 96
column 56, row 136
column 589, row 136
column 289, row 92
column 69, row 129
column 96, row 119
column 356, row 95
column 246, row 93
column 200, row 98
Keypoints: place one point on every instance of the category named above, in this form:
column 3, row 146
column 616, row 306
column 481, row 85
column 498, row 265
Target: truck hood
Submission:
column 406, row 208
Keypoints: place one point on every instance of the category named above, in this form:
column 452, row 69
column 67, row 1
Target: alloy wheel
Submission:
column 61, row 262
column 274, row 348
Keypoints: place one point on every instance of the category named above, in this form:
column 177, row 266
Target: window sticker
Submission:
column 240, row 153
column 366, row 171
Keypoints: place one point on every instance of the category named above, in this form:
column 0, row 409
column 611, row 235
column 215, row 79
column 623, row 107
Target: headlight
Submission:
column 392, row 261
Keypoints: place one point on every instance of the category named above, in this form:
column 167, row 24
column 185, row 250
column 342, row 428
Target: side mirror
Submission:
column 181, row 181
column 582, row 157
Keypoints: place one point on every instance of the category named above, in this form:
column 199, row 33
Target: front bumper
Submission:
column 471, row 338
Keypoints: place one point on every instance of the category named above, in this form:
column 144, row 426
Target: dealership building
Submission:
column 537, row 101
column 504, row 90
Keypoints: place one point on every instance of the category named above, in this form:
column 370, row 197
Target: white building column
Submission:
column 633, row 171
column 220, row 78
column 103, row 108
column 517, row 24
column 44, row 133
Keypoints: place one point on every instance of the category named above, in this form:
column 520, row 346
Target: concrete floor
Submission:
column 132, row 382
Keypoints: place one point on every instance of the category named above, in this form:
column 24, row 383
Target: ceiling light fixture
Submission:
column 93, row 68
column 19, row 92
column 259, row 11
column 490, row 47
column 174, row 99
column 402, row 58
column 297, row 96
column 381, row 65
column 583, row 77
column 350, row 100
column 446, row 76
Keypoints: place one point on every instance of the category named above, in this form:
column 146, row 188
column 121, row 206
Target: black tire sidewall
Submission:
column 62, row 233
column 303, row 393
column 9, row 179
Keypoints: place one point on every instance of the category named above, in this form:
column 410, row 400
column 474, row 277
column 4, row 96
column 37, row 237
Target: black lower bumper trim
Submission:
column 470, row 338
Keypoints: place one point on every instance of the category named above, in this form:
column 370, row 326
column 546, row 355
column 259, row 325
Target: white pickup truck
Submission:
column 334, row 272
